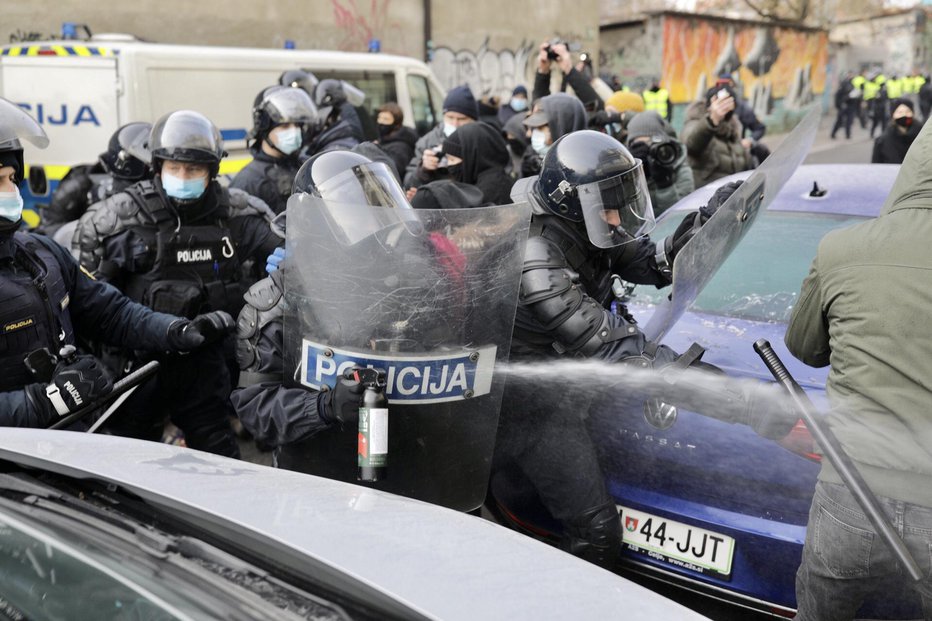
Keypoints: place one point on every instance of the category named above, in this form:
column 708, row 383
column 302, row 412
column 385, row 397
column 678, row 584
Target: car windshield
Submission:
column 762, row 278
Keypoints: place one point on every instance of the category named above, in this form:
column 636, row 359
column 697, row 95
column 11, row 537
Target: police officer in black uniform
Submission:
column 47, row 300
column 177, row 244
column 589, row 204
column 340, row 126
column 281, row 118
column 117, row 168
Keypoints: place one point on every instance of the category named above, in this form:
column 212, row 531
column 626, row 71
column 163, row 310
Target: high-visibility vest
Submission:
column 909, row 86
column 858, row 81
column 871, row 89
column 897, row 86
column 657, row 101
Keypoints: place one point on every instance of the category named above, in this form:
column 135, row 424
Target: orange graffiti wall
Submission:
column 691, row 48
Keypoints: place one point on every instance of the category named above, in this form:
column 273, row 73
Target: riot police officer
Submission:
column 120, row 166
column 47, row 300
column 281, row 118
column 340, row 126
column 177, row 244
column 285, row 416
column 590, row 204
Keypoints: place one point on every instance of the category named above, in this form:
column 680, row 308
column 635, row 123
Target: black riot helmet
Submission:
column 350, row 186
column 120, row 159
column 16, row 124
column 299, row 78
column 277, row 105
column 590, row 177
column 331, row 94
column 186, row 136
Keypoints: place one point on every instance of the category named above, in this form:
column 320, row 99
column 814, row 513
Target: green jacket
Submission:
column 864, row 310
column 714, row 152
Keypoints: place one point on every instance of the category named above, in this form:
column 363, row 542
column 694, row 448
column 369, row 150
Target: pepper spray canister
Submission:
column 372, row 442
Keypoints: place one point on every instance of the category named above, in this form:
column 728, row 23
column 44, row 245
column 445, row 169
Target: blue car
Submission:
column 705, row 505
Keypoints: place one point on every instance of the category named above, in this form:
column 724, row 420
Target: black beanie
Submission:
column 452, row 145
column 14, row 158
column 460, row 99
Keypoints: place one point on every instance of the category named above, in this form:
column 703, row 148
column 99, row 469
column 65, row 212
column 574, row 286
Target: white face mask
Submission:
column 448, row 129
column 288, row 140
column 11, row 205
column 538, row 142
column 518, row 104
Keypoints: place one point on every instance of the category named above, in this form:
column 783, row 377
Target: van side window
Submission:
column 426, row 103
column 378, row 87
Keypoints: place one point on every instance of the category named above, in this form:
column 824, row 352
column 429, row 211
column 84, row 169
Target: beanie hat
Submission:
column 519, row 90
column 453, row 145
column 460, row 99
column 624, row 100
column 646, row 123
column 896, row 103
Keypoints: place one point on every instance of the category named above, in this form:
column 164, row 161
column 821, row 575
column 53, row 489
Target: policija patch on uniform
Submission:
column 19, row 324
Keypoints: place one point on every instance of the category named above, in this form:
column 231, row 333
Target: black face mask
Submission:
column 455, row 171
column 517, row 147
column 384, row 130
column 904, row 121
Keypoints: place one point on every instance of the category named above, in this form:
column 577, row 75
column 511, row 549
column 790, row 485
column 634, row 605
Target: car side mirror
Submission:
column 38, row 183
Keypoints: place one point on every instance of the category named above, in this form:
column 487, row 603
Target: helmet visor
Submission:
column 349, row 197
column 290, row 105
column 186, row 136
column 15, row 123
column 617, row 210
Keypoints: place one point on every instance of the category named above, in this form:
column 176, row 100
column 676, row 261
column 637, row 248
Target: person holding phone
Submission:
column 712, row 135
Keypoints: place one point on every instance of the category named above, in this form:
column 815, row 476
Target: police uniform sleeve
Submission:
column 254, row 237
column 640, row 265
column 101, row 221
column 100, row 311
column 807, row 333
column 272, row 413
column 16, row 411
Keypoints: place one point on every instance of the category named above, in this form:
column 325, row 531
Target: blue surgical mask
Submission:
column 289, row 140
column 538, row 142
column 517, row 104
column 184, row 189
column 448, row 129
column 11, row 205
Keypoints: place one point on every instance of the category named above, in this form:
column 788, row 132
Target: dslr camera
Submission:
column 551, row 55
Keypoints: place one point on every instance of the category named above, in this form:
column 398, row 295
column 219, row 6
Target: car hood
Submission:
column 410, row 557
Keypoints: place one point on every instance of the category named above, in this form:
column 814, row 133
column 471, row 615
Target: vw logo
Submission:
column 658, row 414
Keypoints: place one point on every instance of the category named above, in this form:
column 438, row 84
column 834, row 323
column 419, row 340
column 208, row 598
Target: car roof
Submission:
column 434, row 562
column 851, row 189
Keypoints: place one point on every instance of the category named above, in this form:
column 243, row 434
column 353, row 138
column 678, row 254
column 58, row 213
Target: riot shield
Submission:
column 16, row 124
column 700, row 258
column 429, row 296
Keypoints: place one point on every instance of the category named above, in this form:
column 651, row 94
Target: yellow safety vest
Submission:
column 858, row 81
column 870, row 90
column 908, row 86
column 657, row 101
column 897, row 86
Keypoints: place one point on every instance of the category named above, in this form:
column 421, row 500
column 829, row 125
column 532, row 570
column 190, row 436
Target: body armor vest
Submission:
column 34, row 313
column 195, row 268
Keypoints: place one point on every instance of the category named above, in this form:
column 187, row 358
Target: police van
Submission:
column 82, row 91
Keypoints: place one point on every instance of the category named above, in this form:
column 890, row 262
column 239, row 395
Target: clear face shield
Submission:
column 617, row 210
column 16, row 124
column 349, row 199
column 185, row 132
column 290, row 105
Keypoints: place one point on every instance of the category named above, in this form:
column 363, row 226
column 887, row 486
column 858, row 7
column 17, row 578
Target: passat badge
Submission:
column 432, row 377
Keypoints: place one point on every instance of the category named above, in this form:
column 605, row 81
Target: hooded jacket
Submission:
column 861, row 310
column 399, row 144
column 485, row 157
column 565, row 114
column 713, row 152
column 891, row 146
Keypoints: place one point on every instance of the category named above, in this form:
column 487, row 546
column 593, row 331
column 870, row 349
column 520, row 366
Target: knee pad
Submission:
column 595, row 535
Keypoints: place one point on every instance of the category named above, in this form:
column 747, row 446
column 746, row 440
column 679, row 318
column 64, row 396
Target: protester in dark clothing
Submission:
column 847, row 102
column 340, row 127
column 488, row 111
column 459, row 108
column 554, row 116
column 478, row 156
column 892, row 145
column 571, row 77
column 712, row 135
column 878, row 111
column 395, row 138
column 517, row 105
column 516, row 135
column 447, row 194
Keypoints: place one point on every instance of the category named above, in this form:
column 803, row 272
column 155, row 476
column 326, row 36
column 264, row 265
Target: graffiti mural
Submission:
column 487, row 72
column 359, row 27
column 770, row 63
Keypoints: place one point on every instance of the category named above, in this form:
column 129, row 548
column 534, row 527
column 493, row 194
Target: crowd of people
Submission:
column 150, row 255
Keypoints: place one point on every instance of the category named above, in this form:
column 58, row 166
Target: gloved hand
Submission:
column 693, row 221
column 186, row 335
column 341, row 403
column 718, row 199
column 77, row 382
column 274, row 260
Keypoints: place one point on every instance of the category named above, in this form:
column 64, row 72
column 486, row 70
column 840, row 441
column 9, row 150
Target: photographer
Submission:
column 669, row 177
column 712, row 135
column 459, row 108
column 620, row 108
column 556, row 51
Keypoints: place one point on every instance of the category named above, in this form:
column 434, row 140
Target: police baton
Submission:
column 838, row 458
column 121, row 390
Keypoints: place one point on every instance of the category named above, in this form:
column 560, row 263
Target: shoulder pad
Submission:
column 542, row 253
column 244, row 204
column 263, row 295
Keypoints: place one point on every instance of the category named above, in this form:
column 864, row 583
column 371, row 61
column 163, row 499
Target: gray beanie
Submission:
column 647, row 123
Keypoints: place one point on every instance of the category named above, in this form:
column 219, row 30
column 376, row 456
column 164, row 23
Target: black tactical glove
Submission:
column 184, row 335
column 77, row 382
column 718, row 199
column 341, row 403
column 671, row 246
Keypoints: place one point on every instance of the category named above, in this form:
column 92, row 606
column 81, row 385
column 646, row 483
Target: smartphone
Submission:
column 722, row 94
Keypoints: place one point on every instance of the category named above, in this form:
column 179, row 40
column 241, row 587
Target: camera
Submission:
column 664, row 153
column 551, row 55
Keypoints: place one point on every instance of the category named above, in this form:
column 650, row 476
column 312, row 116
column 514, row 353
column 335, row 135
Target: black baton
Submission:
column 119, row 387
column 838, row 458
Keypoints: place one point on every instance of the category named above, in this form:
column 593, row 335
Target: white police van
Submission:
column 82, row 91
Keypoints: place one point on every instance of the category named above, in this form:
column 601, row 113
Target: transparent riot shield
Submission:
column 429, row 296
column 16, row 124
column 700, row 258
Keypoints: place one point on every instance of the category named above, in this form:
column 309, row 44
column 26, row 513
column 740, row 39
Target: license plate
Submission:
column 675, row 543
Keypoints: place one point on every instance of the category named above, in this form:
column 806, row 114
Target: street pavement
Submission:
column 826, row 150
